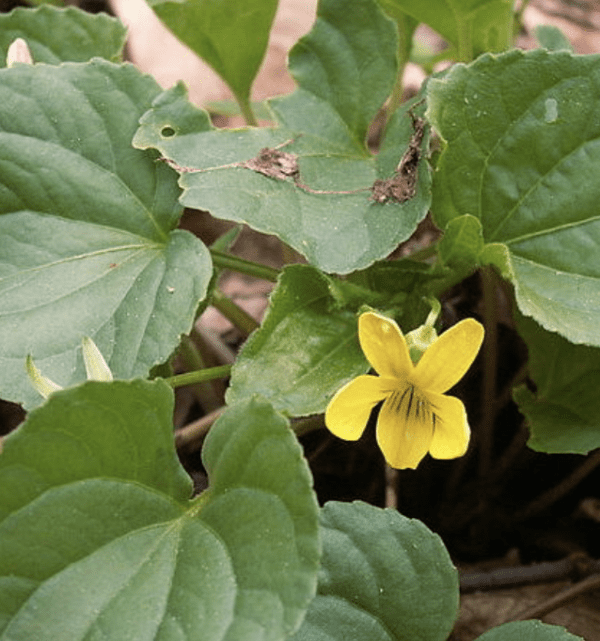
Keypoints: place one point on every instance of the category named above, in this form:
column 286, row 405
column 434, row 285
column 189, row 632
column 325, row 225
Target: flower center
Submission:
column 413, row 406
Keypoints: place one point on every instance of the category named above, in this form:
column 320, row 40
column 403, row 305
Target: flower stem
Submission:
column 199, row 376
column 227, row 261
column 205, row 392
column 240, row 318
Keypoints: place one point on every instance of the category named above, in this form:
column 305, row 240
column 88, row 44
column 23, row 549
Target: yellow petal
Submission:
column 384, row 346
column 448, row 358
column 451, row 432
column 349, row 410
column 404, row 434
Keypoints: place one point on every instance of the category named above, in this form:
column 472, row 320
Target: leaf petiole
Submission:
column 198, row 376
column 227, row 261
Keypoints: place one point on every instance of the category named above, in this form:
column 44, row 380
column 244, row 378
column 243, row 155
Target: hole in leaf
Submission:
column 167, row 132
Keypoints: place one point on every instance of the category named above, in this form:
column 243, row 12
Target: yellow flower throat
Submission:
column 413, row 406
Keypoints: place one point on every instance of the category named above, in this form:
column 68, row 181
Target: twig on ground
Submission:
column 572, row 567
column 559, row 600
column 190, row 437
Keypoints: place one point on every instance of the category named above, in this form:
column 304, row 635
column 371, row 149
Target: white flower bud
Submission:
column 18, row 52
column 96, row 367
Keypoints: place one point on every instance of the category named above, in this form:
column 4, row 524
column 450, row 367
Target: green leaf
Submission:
column 552, row 38
column 406, row 25
column 462, row 241
column 383, row 577
column 231, row 109
column 473, row 26
column 230, row 36
column 347, row 61
column 530, row 630
column 522, row 156
column 262, row 508
column 305, row 349
column 87, row 239
column 111, row 547
column 564, row 412
column 337, row 232
column 127, row 435
column 398, row 287
column 59, row 35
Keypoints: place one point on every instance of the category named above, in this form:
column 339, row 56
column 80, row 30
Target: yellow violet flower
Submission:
column 416, row 417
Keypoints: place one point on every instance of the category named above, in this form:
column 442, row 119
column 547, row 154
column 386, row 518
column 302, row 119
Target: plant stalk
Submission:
column 233, row 263
column 247, row 113
column 199, row 376
column 240, row 318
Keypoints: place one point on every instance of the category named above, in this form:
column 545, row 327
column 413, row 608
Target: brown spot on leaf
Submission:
column 402, row 186
column 274, row 164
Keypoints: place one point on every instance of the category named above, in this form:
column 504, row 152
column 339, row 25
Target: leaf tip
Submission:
column 96, row 367
column 42, row 384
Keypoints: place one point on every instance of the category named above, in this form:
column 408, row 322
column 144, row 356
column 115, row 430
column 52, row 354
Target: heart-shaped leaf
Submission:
column 50, row 451
column 87, row 246
column 383, row 577
column 311, row 181
column 231, row 36
column 57, row 35
column 522, row 155
column 107, row 543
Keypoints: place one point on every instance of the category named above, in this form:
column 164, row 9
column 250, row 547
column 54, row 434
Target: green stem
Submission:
column 490, row 356
column 518, row 18
column 406, row 29
column 397, row 92
column 199, row 376
column 247, row 112
column 227, row 261
column 241, row 319
column 205, row 392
